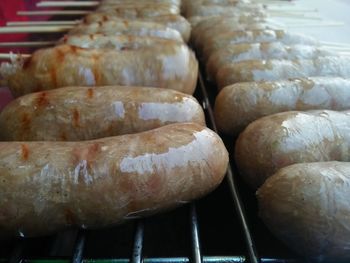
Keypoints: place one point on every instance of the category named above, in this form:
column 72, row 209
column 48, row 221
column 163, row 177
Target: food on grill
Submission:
column 175, row 22
column 172, row 66
column 133, row 28
column 262, row 51
column 221, row 40
column 307, row 207
column 282, row 139
column 46, row 186
column 81, row 113
column 239, row 104
column 216, row 10
column 274, row 69
column 118, row 42
column 140, row 10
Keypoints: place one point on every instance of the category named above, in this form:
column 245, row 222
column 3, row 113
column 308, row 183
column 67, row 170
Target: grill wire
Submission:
column 75, row 241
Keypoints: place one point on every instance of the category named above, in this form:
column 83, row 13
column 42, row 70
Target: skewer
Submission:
column 53, row 13
column 67, row 3
column 12, row 56
column 34, row 29
column 27, row 44
column 42, row 23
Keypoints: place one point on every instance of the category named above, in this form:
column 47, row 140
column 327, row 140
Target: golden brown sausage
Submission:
column 125, row 27
column 81, row 113
column 47, row 186
column 239, row 104
column 270, row 70
column 170, row 66
column 307, row 207
column 282, row 139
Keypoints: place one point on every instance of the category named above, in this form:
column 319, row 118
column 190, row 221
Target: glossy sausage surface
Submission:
column 172, row 66
column 103, row 182
column 81, row 113
column 239, row 104
column 282, row 139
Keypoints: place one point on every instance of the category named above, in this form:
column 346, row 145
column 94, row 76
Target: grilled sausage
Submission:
column 240, row 104
column 171, row 66
column 282, row 139
column 124, row 27
column 273, row 50
column 175, row 22
column 140, row 10
column 307, row 207
column 80, row 113
column 210, row 10
column 254, row 36
column 46, row 186
column 118, row 42
column 269, row 70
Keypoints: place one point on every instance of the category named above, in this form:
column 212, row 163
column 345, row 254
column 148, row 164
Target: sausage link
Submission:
column 81, row 113
column 273, row 50
column 270, row 70
column 47, row 186
column 172, row 66
column 239, row 104
column 282, row 139
column 307, row 207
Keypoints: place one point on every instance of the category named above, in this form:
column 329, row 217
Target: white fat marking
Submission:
column 81, row 171
column 177, row 64
column 119, row 109
column 165, row 112
column 175, row 157
column 88, row 76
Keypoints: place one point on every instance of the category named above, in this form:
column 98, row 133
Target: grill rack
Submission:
column 76, row 240
column 136, row 256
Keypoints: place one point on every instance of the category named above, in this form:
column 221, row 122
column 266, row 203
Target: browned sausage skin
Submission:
column 172, row 66
column 82, row 113
column 103, row 182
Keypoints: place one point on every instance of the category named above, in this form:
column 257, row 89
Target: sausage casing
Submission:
column 239, row 104
column 282, row 139
column 307, row 207
column 80, row 113
column 46, row 186
column 273, row 69
column 172, row 66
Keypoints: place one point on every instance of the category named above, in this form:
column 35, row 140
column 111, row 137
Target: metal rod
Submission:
column 136, row 256
column 67, row 3
column 53, row 13
column 252, row 252
column 196, row 251
column 12, row 55
column 79, row 248
column 41, row 23
column 27, row 44
column 16, row 254
column 33, row 29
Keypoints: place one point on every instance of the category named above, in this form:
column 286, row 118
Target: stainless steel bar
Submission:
column 136, row 256
column 79, row 248
column 196, row 251
column 252, row 252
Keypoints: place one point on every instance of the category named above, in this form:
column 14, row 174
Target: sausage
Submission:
column 254, row 36
column 307, row 207
column 100, row 112
column 273, row 50
column 282, row 139
column 117, row 42
column 210, row 10
column 242, row 17
column 175, row 22
column 124, row 27
column 239, row 104
column 140, row 10
column 171, row 66
column 269, row 70
column 106, row 181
